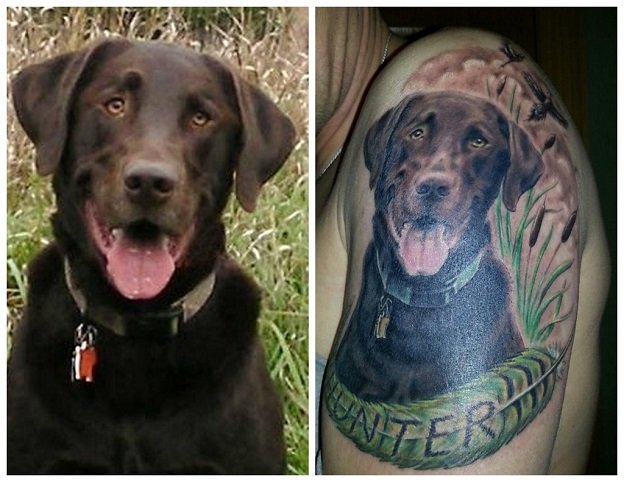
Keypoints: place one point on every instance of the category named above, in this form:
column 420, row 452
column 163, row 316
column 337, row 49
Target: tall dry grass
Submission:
column 269, row 47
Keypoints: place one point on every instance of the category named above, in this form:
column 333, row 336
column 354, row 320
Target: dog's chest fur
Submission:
column 144, row 390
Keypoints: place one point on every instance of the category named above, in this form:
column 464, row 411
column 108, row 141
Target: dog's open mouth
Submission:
column 140, row 258
column 423, row 248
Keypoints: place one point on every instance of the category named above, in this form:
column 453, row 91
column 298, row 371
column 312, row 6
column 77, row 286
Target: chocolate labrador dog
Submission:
column 433, row 311
column 138, row 351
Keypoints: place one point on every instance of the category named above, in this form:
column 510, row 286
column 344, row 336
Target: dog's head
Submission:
column 437, row 162
column 145, row 141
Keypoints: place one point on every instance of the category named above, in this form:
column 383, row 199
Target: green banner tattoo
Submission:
column 454, row 429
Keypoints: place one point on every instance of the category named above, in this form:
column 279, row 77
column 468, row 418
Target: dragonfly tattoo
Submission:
column 544, row 105
column 511, row 54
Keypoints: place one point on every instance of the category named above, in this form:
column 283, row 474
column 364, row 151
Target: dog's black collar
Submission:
column 424, row 296
column 156, row 325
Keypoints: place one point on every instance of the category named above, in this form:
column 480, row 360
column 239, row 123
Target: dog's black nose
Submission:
column 149, row 182
column 433, row 188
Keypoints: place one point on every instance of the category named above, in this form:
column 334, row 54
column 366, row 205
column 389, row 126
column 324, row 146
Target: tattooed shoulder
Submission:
column 466, row 310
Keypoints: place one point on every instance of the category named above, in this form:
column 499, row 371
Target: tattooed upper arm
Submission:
column 463, row 266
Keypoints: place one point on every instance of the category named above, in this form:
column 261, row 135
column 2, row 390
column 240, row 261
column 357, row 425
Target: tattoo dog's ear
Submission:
column 43, row 94
column 268, row 138
column 378, row 142
column 375, row 146
column 525, row 167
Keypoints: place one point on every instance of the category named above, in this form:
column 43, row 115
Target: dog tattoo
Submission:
column 463, row 318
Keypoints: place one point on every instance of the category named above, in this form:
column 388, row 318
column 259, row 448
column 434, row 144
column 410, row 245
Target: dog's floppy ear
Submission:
column 268, row 138
column 43, row 95
column 525, row 167
column 378, row 138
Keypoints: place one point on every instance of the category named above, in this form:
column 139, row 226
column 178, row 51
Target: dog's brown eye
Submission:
column 417, row 134
column 115, row 106
column 199, row 119
column 479, row 142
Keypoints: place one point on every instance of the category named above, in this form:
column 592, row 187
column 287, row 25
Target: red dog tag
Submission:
column 84, row 357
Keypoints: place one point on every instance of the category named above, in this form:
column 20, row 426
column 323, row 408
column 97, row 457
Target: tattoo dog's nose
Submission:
column 434, row 187
column 149, row 182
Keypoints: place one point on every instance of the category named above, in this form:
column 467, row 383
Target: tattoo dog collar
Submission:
column 425, row 297
column 159, row 325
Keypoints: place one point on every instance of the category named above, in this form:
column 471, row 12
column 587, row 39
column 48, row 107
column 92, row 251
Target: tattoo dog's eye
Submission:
column 418, row 134
column 479, row 142
column 115, row 107
column 199, row 119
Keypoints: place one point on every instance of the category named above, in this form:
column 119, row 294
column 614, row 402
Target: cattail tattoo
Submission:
column 567, row 230
column 565, row 235
column 537, row 225
column 549, row 143
column 501, row 86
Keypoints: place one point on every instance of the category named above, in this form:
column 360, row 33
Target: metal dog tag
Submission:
column 382, row 326
column 84, row 356
column 383, row 317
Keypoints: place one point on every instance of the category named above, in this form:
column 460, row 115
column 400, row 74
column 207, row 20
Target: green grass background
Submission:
column 269, row 48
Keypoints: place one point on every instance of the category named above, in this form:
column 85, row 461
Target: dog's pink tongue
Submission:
column 423, row 251
column 139, row 270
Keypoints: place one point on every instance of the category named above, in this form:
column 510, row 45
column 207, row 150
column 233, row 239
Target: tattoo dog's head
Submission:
column 437, row 162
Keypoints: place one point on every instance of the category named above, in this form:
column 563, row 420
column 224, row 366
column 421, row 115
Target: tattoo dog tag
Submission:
column 382, row 326
column 383, row 317
column 84, row 356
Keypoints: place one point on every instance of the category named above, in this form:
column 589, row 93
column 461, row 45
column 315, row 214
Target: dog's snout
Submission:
column 148, row 182
column 434, row 187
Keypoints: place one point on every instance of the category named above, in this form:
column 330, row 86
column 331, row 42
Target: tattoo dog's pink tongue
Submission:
column 423, row 252
column 139, row 270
